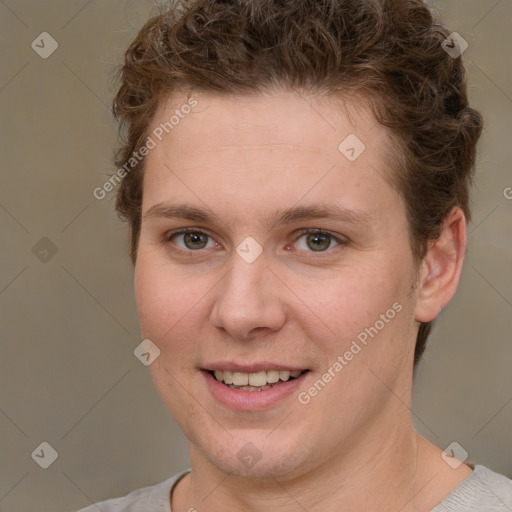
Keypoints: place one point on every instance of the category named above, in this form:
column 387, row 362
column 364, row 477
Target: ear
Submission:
column 441, row 268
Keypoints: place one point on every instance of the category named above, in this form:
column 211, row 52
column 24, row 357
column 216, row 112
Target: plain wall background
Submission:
column 69, row 326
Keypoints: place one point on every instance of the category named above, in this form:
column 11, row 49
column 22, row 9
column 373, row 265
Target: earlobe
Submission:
column 441, row 267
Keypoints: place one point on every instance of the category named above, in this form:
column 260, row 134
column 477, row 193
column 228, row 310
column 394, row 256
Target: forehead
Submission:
column 281, row 147
column 271, row 118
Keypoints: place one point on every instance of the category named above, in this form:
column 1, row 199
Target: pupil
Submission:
column 319, row 242
column 194, row 240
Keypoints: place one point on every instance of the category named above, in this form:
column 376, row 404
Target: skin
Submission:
column 245, row 158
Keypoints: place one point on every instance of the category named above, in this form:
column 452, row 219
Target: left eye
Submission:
column 317, row 241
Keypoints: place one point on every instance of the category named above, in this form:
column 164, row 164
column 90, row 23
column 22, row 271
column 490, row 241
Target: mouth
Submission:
column 232, row 384
column 255, row 381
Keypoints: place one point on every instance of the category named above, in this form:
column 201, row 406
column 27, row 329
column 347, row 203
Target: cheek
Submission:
column 362, row 312
column 351, row 299
column 166, row 313
column 162, row 298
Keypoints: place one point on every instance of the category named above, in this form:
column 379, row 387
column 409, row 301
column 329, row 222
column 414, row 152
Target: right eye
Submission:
column 191, row 240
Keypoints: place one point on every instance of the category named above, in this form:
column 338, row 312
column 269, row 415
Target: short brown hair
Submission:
column 389, row 53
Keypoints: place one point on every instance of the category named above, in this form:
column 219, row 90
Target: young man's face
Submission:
column 337, row 304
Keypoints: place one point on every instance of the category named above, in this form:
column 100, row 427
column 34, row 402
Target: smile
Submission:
column 234, row 388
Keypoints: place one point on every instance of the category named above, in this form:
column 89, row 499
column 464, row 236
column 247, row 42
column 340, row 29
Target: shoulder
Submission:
column 482, row 491
column 155, row 497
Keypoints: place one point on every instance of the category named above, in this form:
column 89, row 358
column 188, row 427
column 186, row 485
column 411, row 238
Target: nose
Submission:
column 248, row 300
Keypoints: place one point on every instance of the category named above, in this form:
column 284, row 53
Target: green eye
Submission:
column 195, row 240
column 192, row 240
column 316, row 241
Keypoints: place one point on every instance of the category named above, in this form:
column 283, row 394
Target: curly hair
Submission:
column 387, row 52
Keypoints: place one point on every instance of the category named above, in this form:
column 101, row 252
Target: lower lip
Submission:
column 251, row 400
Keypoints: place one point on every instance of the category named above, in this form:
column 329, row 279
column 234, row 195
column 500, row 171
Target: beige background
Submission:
column 68, row 326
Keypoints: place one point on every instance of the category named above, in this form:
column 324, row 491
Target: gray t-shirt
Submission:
column 482, row 491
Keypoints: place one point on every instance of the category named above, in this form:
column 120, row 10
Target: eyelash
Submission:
column 299, row 234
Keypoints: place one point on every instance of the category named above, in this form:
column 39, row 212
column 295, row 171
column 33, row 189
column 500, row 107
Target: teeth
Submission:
column 240, row 379
column 257, row 379
column 284, row 375
column 248, row 388
column 272, row 376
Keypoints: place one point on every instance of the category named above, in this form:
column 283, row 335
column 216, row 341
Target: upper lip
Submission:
column 252, row 367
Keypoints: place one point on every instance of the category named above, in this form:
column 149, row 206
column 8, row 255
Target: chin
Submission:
column 262, row 470
column 258, row 456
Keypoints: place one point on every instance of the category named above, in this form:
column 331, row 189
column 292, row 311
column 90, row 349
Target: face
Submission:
column 295, row 258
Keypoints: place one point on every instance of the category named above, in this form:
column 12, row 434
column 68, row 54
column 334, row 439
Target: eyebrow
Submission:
column 280, row 217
